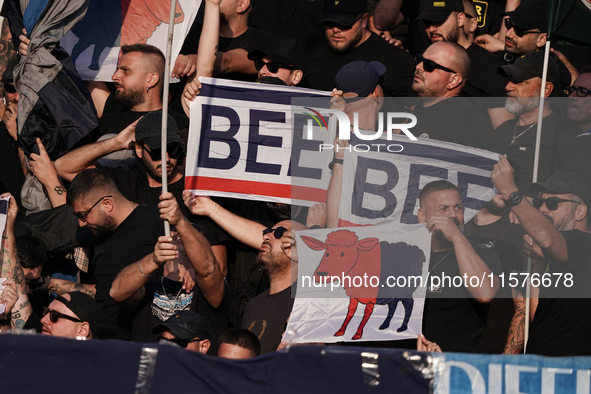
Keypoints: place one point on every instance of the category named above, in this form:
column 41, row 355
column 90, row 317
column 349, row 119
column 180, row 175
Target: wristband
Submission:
column 333, row 162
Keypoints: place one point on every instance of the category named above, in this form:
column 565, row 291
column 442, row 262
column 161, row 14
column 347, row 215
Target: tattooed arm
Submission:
column 515, row 336
column 62, row 286
column 42, row 167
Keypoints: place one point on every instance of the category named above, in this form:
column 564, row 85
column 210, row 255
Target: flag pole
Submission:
column 165, row 106
column 535, row 179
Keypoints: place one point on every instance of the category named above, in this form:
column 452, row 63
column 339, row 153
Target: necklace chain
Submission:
column 171, row 304
column 444, row 257
column 520, row 134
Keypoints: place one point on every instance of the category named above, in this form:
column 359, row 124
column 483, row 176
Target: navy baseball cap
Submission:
column 343, row 12
column 184, row 325
column 359, row 77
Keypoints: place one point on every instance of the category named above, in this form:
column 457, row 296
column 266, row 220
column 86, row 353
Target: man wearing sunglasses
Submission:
column 518, row 136
column 284, row 59
column 185, row 329
column 348, row 40
column 559, row 243
column 144, row 185
column 73, row 315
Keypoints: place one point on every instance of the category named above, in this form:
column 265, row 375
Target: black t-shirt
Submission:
column 115, row 122
column 266, row 316
column 507, row 240
column 250, row 40
column 133, row 184
column 134, row 239
column 456, row 120
column 489, row 16
column 164, row 297
column 561, row 325
column 455, row 324
column 323, row 65
column 557, row 133
column 578, row 159
column 483, row 78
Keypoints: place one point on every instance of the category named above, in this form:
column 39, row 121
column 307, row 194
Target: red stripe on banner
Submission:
column 257, row 188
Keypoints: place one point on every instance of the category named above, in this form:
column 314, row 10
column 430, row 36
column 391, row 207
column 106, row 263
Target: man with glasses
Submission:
column 185, row 329
column 144, row 185
column 518, row 136
column 73, row 315
column 559, row 243
column 441, row 74
column 284, row 59
column 347, row 40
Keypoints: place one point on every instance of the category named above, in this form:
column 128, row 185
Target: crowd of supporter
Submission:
column 84, row 248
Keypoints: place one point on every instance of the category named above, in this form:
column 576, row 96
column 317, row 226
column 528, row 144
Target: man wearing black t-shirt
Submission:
column 144, row 185
column 127, row 233
column 557, row 231
column 455, row 317
column 518, row 136
column 156, row 294
column 347, row 40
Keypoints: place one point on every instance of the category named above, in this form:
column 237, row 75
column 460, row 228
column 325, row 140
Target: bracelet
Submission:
column 141, row 272
column 214, row 207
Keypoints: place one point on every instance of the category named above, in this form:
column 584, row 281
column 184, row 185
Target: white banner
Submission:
column 94, row 42
column 360, row 284
column 241, row 144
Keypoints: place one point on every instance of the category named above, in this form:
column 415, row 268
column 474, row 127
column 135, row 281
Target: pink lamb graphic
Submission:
column 346, row 255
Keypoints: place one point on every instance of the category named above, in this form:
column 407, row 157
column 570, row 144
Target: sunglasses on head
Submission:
column 55, row 315
column 581, row 91
column 174, row 152
column 82, row 215
column 277, row 232
column 430, row 66
column 273, row 67
column 180, row 342
column 332, row 25
column 519, row 32
column 551, row 202
column 9, row 87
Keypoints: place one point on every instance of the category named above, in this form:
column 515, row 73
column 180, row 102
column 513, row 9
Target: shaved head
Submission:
column 459, row 60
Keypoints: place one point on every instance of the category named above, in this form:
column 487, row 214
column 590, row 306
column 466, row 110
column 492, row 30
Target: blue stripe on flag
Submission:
column 3, row 207
column 256, row 95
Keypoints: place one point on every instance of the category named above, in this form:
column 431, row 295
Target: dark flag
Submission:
column 570, row 20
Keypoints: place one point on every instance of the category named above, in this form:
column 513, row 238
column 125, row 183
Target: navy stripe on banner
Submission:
column 431, row 152
column 256, row 95
column 3, row 207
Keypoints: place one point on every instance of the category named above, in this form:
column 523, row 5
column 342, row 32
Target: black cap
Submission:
column 343, row 12
column 282, row 50
column 531, row 14
column 149, row 129
column 184, row 325
column 7, row 75
column 561, row 183
column 359, row 77
column 86, row 308
column 529, row 66
column 439, row 10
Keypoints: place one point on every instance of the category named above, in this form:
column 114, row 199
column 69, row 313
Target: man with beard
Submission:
column 558, row 242
column 127, row 233
column 347, row 40
column 440, row 75
column 492, row 228
column 518, row 135
column 455, row 317
column 139, row 82
column 266, row 314
column 144, row 185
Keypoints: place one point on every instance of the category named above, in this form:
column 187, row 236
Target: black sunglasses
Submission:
column 174, row 152
column 9, row 87
column 273, row 67
column 581, row 91
column 519, row 32
column 430, row 66
column 551, row 202
column 82, row 215
column 332, row 25
column 277, row 232
column 55, row 315
column 180, row 342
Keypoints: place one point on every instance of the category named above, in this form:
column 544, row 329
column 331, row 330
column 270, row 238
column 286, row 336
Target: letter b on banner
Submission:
column 362, row 186
column 208, row 135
